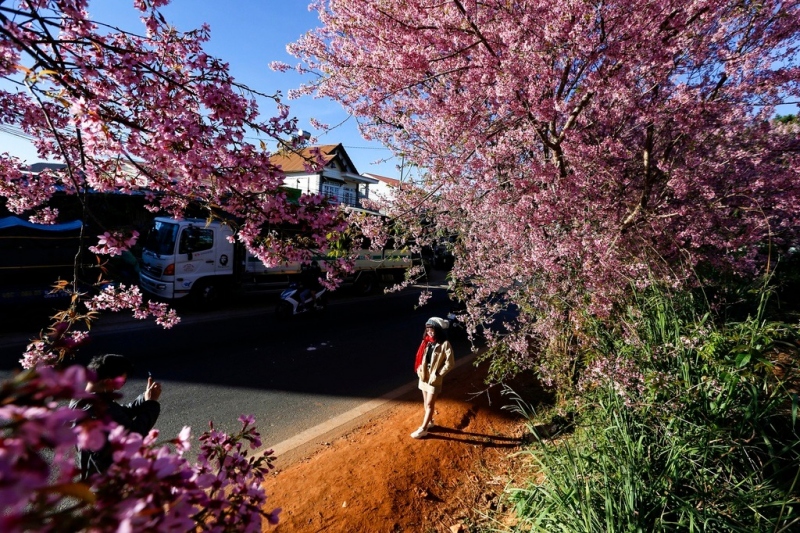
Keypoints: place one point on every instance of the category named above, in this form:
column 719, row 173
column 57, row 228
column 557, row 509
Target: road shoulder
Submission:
column 374, row 477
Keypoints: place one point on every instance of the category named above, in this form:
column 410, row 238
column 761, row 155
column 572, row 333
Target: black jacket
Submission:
column 139, row 416
column 309, row 277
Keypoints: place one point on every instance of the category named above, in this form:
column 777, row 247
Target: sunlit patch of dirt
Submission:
column 376, row 478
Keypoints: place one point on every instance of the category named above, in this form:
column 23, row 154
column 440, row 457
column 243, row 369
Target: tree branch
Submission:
column 460, row 7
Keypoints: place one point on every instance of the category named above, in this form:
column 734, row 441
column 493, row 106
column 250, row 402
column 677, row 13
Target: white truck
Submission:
column 194, row 258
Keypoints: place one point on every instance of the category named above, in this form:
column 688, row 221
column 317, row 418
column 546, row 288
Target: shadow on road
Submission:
column 361, row 347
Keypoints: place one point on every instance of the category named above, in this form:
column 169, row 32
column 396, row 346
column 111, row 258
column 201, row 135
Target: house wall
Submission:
column 307, row 183
column 381, row 190
column 312, row 184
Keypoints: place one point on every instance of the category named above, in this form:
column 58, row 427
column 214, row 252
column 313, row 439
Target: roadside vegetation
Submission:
column 678, row 424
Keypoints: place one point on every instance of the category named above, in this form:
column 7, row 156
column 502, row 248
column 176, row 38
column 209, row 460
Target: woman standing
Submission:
column 434, row 360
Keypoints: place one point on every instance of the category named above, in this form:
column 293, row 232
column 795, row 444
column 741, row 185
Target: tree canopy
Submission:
column 147, row 113
column 576, row 148
column 152, row 114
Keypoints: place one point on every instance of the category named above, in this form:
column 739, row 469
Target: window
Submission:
column 349, row 197
column 196, row 240
column 331, row 190
column 161, row 238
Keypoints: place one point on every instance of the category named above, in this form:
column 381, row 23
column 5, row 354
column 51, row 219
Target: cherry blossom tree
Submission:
column 132, row 113
column 148, row 113
column 151, row 486
column 576, row 149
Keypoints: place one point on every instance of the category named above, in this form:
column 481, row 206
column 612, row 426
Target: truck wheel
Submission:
column 206, row 294
column 283, row 310
column 365, row 283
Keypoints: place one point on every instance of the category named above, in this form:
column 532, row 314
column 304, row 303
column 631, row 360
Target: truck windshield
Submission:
column 161, row 238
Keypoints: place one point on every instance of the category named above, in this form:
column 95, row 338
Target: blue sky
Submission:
column 249, row 34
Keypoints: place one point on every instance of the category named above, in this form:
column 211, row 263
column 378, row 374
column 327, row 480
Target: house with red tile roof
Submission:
column 385, row 187
column 325, row 169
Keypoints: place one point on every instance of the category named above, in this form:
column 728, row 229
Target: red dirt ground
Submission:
column 378, row 479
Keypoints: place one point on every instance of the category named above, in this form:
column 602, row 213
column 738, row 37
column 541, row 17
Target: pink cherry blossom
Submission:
column 149, row 113
column 574, row 149
column 149, row 486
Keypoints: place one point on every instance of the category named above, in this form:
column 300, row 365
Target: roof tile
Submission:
column 295, row 162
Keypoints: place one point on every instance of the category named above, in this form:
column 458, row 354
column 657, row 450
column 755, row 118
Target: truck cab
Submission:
column 198, row 258
column 190, row 256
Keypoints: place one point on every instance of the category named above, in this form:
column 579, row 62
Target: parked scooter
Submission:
column 456, row 308
column 290, row 303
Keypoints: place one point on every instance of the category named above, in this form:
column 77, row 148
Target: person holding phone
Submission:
column 111, row 371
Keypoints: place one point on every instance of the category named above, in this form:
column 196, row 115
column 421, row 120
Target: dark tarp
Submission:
column 34, row 256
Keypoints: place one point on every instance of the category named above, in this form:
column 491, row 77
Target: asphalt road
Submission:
column 291, row 375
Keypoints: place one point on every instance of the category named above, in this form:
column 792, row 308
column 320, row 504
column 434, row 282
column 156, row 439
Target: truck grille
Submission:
column 153, row 271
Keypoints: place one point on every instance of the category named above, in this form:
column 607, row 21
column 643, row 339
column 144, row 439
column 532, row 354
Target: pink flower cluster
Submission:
column 35, row 423
column 69, row 330
column 121, row 297
column 114, row 243
column 148, row 113
column 52, row 347
column 148, row 488
column 575, row 149
column 46, row 215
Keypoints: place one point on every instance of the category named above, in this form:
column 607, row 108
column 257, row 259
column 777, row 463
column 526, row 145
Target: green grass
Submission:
column 701, row 437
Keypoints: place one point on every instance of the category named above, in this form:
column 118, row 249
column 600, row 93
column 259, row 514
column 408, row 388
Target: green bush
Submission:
column 681, row 426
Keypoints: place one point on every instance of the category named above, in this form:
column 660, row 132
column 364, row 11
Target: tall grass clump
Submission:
column 681, row 425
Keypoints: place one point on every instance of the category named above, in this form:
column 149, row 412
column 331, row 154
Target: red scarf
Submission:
column 421, row 351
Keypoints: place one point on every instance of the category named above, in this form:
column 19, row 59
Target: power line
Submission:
column 16, row 132
column 367, row 148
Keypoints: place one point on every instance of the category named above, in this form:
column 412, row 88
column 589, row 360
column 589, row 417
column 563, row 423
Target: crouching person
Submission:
column 111, row 372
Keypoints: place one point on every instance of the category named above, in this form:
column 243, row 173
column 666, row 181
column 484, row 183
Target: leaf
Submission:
column 76, row 490
column 742, row 359
column 60, row 285
column 47, row 72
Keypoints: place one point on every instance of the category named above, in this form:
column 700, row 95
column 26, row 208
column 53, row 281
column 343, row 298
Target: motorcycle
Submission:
column 292, row 302
column 456, row 308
